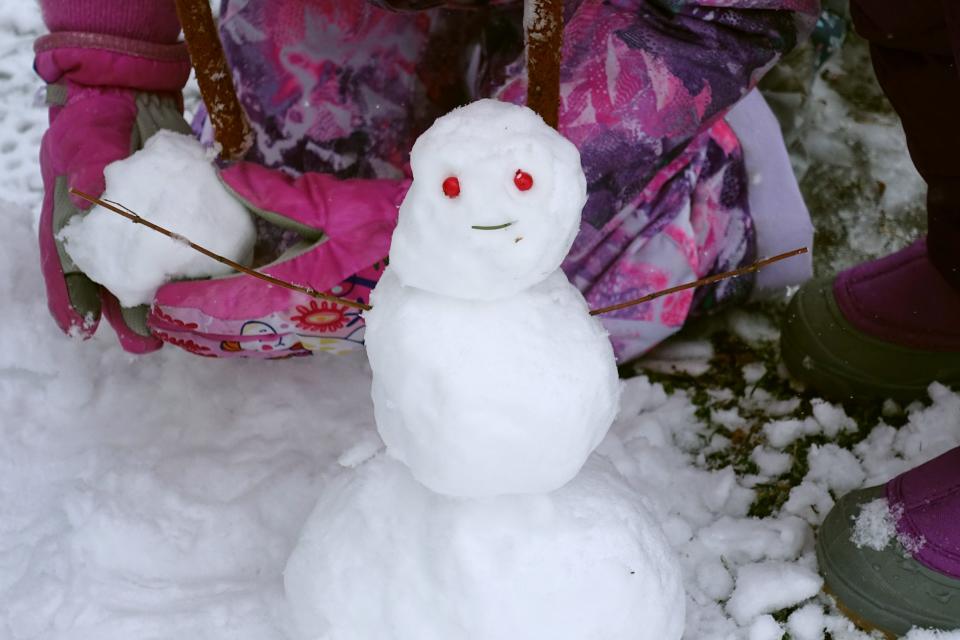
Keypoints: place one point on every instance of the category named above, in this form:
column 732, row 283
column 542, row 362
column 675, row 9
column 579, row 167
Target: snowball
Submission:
column 809, row 500
column 383, row 557
column 769, row 586
column 806, row 623
column 485, row 398
column 169, row 182
column 780, row 433
column 832, row 418
column 753, row 372
column 836, row 468
column 715, row 579
column 771, row 462
column 765, row 628
column 439, row 244
column 743, row 540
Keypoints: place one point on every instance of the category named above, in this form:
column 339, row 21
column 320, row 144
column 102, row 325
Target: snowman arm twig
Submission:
column 137, row 219
column 756, row 266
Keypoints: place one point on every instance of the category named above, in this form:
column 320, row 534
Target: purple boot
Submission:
column 883, row 329
column 890, row 555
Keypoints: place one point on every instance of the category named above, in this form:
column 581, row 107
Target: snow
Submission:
column 765, row 628
column 832, row 418
column 780, row 433
column 160, row 496
column 172, row 183
column 765, row 587
column 835, row 468
column 875, row 525
column 486, row 398
column 510, row 384
column 770, row 461
column 384, row 557
column 925, row 634
column 438, row 246
column 806, row 623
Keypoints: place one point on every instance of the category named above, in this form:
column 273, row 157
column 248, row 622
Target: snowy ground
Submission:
column 159, row 497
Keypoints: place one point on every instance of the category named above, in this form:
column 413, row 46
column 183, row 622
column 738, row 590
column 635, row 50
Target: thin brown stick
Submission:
column 130, row 215
column 230, row 126
column 543, row 25
column 756, row 266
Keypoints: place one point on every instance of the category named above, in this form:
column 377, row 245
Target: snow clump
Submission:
column 172, row 183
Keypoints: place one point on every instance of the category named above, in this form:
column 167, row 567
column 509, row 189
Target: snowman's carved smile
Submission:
column 492, row 228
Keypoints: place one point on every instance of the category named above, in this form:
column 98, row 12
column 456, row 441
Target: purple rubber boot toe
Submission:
column 929, row 497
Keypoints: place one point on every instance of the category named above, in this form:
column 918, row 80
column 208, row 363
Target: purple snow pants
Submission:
column 915, row 46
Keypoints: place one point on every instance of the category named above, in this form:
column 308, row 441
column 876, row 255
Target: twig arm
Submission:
column 133, row 217
column 756, row 266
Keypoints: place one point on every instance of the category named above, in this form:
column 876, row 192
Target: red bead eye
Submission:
column 523, row 180
column 451, row 187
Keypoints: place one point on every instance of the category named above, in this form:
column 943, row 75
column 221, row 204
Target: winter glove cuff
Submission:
column 95, row 59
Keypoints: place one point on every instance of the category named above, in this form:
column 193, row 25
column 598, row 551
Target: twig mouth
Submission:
column 491, row 228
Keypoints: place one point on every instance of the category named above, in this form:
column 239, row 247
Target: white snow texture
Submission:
column 436, row 246
column 172, row 183
column 487, row 398
column 383, row 557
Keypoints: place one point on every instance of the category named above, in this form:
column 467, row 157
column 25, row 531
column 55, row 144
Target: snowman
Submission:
column 489, row 375
column 492, row 385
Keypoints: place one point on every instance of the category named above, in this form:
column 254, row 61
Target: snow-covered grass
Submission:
column 159, row 497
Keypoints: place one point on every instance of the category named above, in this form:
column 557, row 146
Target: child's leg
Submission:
column 915, row 47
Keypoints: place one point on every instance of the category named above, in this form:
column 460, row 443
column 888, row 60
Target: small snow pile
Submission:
column 771, row 462
column 780, row 433
column 765, row 628
column 875, row 525
column 384, row 557
column 835, row 468
column 169, row 182
column 766, row 587
column 806, row 623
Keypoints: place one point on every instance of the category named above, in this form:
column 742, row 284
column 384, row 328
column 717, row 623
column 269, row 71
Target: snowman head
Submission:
column 494, row 206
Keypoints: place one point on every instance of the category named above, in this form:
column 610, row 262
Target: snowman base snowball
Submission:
column 383, row 557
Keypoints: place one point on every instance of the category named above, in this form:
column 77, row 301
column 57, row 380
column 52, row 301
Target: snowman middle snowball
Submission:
column 489, row 375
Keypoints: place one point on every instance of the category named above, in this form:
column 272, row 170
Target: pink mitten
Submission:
column 107, row 95
column 345, row 226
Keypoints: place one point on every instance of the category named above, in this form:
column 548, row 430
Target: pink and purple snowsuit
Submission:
column 344, row 88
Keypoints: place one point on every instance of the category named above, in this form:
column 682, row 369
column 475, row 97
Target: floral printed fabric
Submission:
column 345, row 88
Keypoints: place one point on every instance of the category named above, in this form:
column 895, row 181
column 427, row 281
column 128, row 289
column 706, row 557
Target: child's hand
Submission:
column 346, row 226
column 103, row 105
